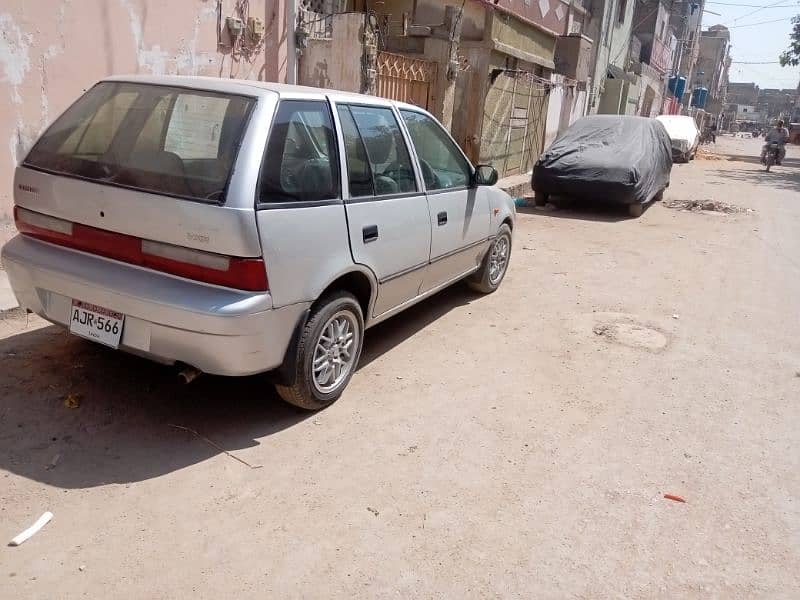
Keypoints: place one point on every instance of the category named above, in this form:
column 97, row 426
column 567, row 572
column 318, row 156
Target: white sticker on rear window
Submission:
column 195, row 126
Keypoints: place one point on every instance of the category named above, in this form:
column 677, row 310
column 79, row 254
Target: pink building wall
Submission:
column 53, row 50
column 549, row 14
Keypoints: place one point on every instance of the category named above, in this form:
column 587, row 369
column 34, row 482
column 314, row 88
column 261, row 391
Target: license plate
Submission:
column 96, row 323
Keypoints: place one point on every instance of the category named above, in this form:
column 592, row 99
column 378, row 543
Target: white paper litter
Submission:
column 32, row 530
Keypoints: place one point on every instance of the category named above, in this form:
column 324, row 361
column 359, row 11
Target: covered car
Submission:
column 684, row 135
column 606, row 158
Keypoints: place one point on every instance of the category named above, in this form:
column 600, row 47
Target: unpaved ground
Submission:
column 517, row 445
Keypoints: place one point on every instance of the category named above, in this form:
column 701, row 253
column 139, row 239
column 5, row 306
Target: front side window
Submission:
column 300, row 164
column 375, row 147
column 154, row 138
column 443, row 166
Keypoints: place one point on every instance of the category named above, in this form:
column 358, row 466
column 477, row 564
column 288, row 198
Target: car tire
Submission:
column 636, row 209
column 540, row 198
column 319, row 375
column 495, row 264
column 659, row 196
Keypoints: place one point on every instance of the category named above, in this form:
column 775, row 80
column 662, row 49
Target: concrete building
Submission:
column 613, row 89
column 777, row 103
column 743, row 93
column 745, row 112
column 653, row 35
column 713, row 65
column 568, row 97
column 686, row 18
column 487, row 73
column 51, row 55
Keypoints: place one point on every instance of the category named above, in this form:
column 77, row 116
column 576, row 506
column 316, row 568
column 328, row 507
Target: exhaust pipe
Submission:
column 189, row 374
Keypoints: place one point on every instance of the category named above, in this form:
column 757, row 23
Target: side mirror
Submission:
column 485, row 175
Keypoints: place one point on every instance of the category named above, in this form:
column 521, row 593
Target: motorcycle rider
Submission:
column 779, row 135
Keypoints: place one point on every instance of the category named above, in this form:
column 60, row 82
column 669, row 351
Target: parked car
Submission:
column 606, row 158
column 240, row 227
column 684, row 135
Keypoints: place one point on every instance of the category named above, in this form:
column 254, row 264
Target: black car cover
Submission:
column 610, row 158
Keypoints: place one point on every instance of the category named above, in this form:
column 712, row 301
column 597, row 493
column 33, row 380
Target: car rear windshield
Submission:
column 167, row 140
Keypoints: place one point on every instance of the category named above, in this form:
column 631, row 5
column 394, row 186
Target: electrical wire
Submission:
column 773, row 5
column 759, row 23
column 458, row 19
column 752, row 5
column 762, row 75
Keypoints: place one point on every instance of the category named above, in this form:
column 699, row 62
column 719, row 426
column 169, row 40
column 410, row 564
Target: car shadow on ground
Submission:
column 76, row 415
column 582, row 210
column 385, row 336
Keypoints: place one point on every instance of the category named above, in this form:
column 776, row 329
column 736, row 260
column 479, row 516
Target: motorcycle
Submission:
column 773, row 155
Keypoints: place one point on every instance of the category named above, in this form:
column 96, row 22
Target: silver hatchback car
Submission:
column 241, row 227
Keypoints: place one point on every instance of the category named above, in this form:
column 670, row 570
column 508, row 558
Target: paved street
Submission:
column 515, row 445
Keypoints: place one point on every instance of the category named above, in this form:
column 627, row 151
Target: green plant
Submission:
column 791, row 57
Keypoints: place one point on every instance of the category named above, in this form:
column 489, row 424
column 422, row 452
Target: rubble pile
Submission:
column 703, row 154
column 706, row 205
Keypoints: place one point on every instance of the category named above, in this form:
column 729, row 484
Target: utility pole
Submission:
column 291, row 44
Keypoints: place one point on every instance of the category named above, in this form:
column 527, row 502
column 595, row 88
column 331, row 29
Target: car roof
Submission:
column 257, row 88
column 603, row 118
column 674, row 117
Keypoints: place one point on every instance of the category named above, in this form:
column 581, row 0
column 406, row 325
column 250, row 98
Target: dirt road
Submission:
column 517, row 445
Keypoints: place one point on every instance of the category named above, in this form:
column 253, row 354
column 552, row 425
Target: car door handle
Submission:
column 370, row 233
column 441, row 218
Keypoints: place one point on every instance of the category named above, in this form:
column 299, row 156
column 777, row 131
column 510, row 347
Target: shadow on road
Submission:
column 756, row 160
column 785, row 177
column 385, row 336
column 583, row 210
column 120, row 431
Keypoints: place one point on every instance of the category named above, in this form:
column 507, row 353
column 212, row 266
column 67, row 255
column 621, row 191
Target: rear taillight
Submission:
column 37, row 224
column 240, row 273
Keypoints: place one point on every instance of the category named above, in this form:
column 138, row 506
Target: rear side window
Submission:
column 359, row 174
column 158, row 139
column 375, row 148
column 301, row 164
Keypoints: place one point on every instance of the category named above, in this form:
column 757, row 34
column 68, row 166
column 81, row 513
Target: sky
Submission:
column 760, row 43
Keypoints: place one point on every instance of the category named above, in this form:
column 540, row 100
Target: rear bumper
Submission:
column 168, row 319
column 682, row 151
column 608, row 192
column 679, row 156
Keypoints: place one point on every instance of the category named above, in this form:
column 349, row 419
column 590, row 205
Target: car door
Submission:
column 299, row 209
column 459, row 211
column 387, row 212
